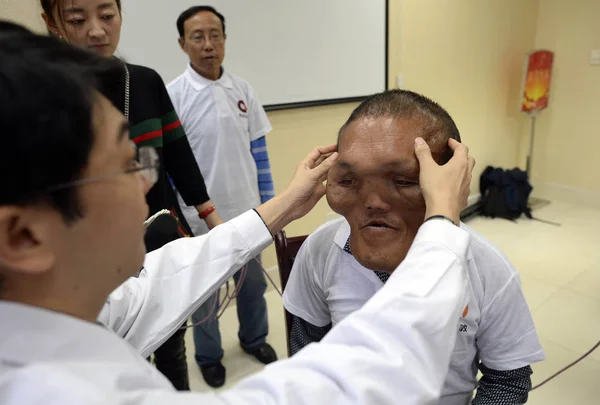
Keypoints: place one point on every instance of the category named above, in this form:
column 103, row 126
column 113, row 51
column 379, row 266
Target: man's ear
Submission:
column 182, row 44
column 25, row 236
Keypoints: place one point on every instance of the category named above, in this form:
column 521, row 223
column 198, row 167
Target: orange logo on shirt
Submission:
column 465, row 312
column 242, row 106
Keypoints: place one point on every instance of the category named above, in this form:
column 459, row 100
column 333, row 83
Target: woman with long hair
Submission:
column 143, row 99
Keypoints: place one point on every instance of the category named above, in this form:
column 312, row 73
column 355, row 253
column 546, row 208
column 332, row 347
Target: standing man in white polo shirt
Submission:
column 226, row 127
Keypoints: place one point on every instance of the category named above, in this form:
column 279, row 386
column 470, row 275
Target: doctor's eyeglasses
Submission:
column 146, row 163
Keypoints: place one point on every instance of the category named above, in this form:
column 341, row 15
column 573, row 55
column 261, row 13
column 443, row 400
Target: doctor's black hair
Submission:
column 192, row 11
column 47, row 92
column 437, row 125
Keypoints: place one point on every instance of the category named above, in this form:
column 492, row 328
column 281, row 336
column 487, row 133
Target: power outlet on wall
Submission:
column 595, row 57
column 399, row 80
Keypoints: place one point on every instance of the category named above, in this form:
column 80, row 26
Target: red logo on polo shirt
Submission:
column 242, row 106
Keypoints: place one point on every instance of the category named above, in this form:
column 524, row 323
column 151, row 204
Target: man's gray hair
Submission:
column 437, row 124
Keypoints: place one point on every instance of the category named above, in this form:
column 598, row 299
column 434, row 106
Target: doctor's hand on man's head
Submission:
column 445, row 188
column 306, row 187
column 304, row 191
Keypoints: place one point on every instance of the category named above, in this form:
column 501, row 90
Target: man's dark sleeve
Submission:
column 509, row 387
column 304, row 333
column 179, row 159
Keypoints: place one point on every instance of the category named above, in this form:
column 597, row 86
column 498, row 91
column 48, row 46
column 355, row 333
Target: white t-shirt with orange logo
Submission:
column 327, row 284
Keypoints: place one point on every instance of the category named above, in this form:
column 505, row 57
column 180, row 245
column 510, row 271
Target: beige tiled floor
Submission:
column 560, row 271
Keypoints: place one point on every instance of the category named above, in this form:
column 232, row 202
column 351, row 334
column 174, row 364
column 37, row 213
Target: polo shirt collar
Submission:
column 200, row 82
column 342, row 234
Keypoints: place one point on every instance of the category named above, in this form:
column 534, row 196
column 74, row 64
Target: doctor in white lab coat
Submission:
column 75, row 327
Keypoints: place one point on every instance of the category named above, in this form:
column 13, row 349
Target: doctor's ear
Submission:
column 24, row 238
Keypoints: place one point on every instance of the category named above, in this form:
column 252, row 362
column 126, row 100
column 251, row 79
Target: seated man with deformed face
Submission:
column 374, row 185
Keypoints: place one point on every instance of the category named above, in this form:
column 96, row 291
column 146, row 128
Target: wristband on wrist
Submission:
column 441, row 217
column 207, row 212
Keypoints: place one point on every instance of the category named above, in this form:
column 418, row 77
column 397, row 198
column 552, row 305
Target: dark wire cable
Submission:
column 552, row 377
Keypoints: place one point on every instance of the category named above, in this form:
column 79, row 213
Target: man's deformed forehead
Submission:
column 427, row 119
column 377, row 130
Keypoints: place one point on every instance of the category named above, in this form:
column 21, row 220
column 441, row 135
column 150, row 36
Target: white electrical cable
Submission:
column 218, row 308
column 153, row 217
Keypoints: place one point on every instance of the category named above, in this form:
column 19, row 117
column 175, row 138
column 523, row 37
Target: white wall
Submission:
column 290, row 51
column 565, row 160
column 25, row 12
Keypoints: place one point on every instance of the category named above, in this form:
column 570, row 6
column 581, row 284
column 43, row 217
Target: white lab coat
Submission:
column 395, row 350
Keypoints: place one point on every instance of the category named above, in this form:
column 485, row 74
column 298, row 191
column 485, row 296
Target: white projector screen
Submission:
column 294, row 53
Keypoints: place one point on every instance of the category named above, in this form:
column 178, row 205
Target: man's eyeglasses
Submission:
column 146, row 163
column 215, row 38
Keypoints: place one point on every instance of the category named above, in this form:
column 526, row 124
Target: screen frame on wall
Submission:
column 342, row 100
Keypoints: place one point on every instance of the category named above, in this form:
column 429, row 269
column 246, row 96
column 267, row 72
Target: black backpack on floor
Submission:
column 505, row 193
